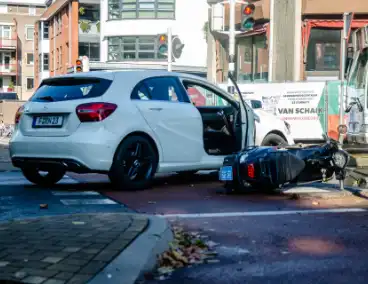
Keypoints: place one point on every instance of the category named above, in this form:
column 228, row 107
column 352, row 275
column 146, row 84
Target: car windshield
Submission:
column 64, row 89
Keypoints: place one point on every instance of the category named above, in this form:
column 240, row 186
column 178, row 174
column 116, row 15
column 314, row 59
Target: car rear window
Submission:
column 65, row 89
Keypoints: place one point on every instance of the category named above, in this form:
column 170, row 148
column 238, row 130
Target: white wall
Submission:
column 43, row 75
column 191, row 16
column 6, row 82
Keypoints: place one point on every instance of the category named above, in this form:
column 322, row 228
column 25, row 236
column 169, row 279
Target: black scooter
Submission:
column 272, row 168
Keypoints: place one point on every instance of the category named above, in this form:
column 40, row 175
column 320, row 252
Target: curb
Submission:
column 139, row 257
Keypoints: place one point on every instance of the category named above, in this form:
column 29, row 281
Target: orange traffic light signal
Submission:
column 248, row 21
column 78, row 65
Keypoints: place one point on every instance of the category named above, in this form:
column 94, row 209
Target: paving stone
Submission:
column 64, row 267
column 51, row 259
column 74, row 261
column 4, row 263
column 71, row 249
column 90, row 251
column 81, row 255
column 107, row 255
column 97, row 246
column 54, row 281
column 64, row 275
column 35, row 264
column 20, row 274
column 93, row 267
column 80, row 279
column 34, row 280
column 39, row 272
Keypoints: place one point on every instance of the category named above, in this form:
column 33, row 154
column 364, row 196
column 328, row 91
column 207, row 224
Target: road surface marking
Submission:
column 262, row 213
column 88, row 202
column 73, row 193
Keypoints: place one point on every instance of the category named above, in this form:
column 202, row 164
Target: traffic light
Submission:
column 248, row 21
column 78, row 66
column 162, row 44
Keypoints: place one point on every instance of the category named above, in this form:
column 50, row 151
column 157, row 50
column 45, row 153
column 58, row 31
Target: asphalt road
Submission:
column 260, row 238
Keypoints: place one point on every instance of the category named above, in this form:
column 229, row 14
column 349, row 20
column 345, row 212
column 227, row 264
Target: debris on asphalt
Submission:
column 315, row 203
column 187, row 249
column 44, row 206
column 151, row 202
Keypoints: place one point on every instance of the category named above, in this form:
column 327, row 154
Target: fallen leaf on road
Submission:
column 315, row 203
column 187, row 248
column 44, row 206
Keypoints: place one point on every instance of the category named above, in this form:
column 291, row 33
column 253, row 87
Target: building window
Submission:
column 90, row 12
column 3, row 8
column 45, row 62
column 141, row 9
column 30, row 83
column 89, row 49
column 45, row 30
column 30, row 60
column 32, row 11
column 252, row 60
column 323, row 52
column 133, row 48
column 29, row 32
column 5, row 32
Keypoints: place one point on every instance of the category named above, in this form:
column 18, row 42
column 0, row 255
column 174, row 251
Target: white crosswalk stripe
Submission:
column 67, row 197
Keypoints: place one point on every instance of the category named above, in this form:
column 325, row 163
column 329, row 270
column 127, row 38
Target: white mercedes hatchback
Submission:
column 127, row 124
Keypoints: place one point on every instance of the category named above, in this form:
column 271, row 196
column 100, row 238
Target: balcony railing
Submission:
column 6, row 43
column 8, row 69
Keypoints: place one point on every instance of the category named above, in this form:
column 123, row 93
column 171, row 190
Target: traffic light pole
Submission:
column 169, row 49
column 231, row 70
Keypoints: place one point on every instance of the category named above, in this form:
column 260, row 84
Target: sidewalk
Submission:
column 81, row 248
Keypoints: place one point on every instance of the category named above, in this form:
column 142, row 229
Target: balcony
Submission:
column 8, row 69
column 88, row 27
column 6, row 43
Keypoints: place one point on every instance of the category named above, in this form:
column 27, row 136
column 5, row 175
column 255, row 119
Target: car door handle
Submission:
column 156, row 108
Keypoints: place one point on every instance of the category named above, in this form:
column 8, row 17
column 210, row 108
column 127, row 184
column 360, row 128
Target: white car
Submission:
column 270, row 130
column 127, row 124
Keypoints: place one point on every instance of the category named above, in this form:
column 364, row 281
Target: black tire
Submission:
column 51, row 178
column 135, row 164
column 274, row 140
column 187, row 173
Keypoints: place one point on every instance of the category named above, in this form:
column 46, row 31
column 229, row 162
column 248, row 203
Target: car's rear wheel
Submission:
column 43, row 178
column 274, row 140
column 134, row 165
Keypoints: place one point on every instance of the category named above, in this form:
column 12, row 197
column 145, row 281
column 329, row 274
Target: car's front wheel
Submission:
column 43, row 178
column 134, row 164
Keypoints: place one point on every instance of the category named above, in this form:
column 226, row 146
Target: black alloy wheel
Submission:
column 134, row 165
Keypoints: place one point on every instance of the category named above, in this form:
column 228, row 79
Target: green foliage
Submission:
column 85, row 26
column 98, row 26
column 81, row 10
column 205, row 30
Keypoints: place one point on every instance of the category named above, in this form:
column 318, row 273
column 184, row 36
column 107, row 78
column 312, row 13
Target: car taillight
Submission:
column 251, row 173
column 95, row 111
column 18, row 114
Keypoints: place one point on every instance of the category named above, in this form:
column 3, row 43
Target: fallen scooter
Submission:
column 277, row 168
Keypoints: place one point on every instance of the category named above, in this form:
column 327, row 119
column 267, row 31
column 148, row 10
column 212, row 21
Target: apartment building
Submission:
column 130, row 29
column 66, row 30
column 17, row 18
column 311, row 53
column 118, row 34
